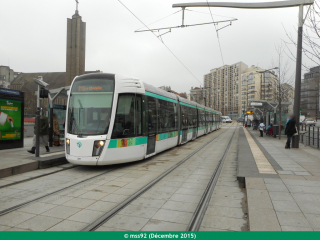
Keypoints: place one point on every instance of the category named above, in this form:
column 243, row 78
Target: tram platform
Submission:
column 18, row 160
column 282, row 185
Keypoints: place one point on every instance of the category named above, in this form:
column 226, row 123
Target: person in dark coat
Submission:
column 290, row 130
column 43, row 132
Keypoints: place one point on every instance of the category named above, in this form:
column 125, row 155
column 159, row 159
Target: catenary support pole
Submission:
column 297, row 90
column 38, row 124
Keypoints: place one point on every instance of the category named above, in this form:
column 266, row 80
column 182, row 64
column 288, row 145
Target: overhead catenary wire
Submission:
column 161, row 41
column 216, row 33
column 161, row 19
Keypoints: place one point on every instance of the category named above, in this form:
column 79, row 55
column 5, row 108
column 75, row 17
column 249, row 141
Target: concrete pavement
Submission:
column 18, row 160
column 289, row 200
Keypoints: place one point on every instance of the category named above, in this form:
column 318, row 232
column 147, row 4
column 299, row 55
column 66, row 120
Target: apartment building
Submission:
column 257, row 83
column 6, row 76
column 222, row 88
column 197, row 95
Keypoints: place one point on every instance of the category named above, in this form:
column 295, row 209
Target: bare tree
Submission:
column 284, row 91
column 311, row 37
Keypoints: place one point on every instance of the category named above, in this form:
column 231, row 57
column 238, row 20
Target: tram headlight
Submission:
column 68, row 145
column 97, row 147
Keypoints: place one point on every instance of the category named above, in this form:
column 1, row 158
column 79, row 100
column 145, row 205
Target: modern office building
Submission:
column 310, row 93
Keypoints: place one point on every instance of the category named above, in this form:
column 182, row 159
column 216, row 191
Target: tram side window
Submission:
column 128, row 117
column 167, row 116
column 173, row 116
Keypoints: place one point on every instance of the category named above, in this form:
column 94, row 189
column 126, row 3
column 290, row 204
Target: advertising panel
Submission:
column 10, row 119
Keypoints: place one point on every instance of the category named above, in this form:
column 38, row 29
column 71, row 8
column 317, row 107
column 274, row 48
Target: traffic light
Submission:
column 249, row 112
column 300, row 112
column 270, row 112
column 44, row 93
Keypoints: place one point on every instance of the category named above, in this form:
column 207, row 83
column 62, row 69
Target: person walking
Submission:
column 56, row 130
column 261, row 127
column 290, row 130
column 43, row 132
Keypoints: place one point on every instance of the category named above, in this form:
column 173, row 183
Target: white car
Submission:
column 309, row 122
column 226, row 119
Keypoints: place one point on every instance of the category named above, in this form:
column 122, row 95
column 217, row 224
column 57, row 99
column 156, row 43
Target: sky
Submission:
column 33, row 38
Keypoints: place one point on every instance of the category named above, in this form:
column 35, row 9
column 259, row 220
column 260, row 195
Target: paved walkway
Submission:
column 291, row 201
column 18, row 160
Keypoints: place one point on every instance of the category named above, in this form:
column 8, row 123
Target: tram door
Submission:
column 152, row 125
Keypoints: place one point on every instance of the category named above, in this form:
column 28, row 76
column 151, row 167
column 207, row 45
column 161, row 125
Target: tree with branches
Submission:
column 284, row 92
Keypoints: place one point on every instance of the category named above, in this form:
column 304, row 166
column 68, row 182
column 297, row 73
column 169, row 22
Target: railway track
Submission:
column 40, row 176
column 199, row 213
column 18, row 206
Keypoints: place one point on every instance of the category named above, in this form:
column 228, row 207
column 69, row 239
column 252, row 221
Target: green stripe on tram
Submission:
column 127, row 142
column 160, row 97
column 167, row 135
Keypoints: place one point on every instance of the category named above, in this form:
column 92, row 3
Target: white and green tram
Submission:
column 114, row 118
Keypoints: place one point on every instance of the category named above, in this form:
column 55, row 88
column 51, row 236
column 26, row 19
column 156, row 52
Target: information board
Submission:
column 10, row 119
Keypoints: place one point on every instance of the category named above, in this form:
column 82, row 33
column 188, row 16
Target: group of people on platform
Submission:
column 290, row 129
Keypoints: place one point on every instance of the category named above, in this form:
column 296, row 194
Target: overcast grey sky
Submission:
column 33, row 38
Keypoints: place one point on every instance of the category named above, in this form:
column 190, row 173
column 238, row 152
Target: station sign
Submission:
column 256, row 104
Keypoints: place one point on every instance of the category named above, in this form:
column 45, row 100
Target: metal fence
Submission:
column 311, row 136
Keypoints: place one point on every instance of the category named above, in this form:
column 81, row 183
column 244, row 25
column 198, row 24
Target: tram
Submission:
column 114, row 118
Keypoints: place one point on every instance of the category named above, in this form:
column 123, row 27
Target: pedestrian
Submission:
column 43, row 134
column 56, row 130
column 261, row 127
column 290, row 130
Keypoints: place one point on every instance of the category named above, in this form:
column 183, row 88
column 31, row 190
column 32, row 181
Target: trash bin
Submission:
column 295, row 141
column 275, row 130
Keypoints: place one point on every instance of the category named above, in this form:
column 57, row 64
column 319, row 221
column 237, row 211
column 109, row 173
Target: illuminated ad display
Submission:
column 10, row 119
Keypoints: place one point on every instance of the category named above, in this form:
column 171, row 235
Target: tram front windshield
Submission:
column 90, row 106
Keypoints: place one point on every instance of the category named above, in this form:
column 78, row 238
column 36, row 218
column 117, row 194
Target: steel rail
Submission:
column 18, row 206
column 108, row 215
column 196, row 220
column 32, row 178
column 8, row 210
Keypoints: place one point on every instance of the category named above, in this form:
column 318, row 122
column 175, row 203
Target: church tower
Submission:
column 76, row 47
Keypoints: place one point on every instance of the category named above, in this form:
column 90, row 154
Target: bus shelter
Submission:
column 59, row 110
column 269, row 110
